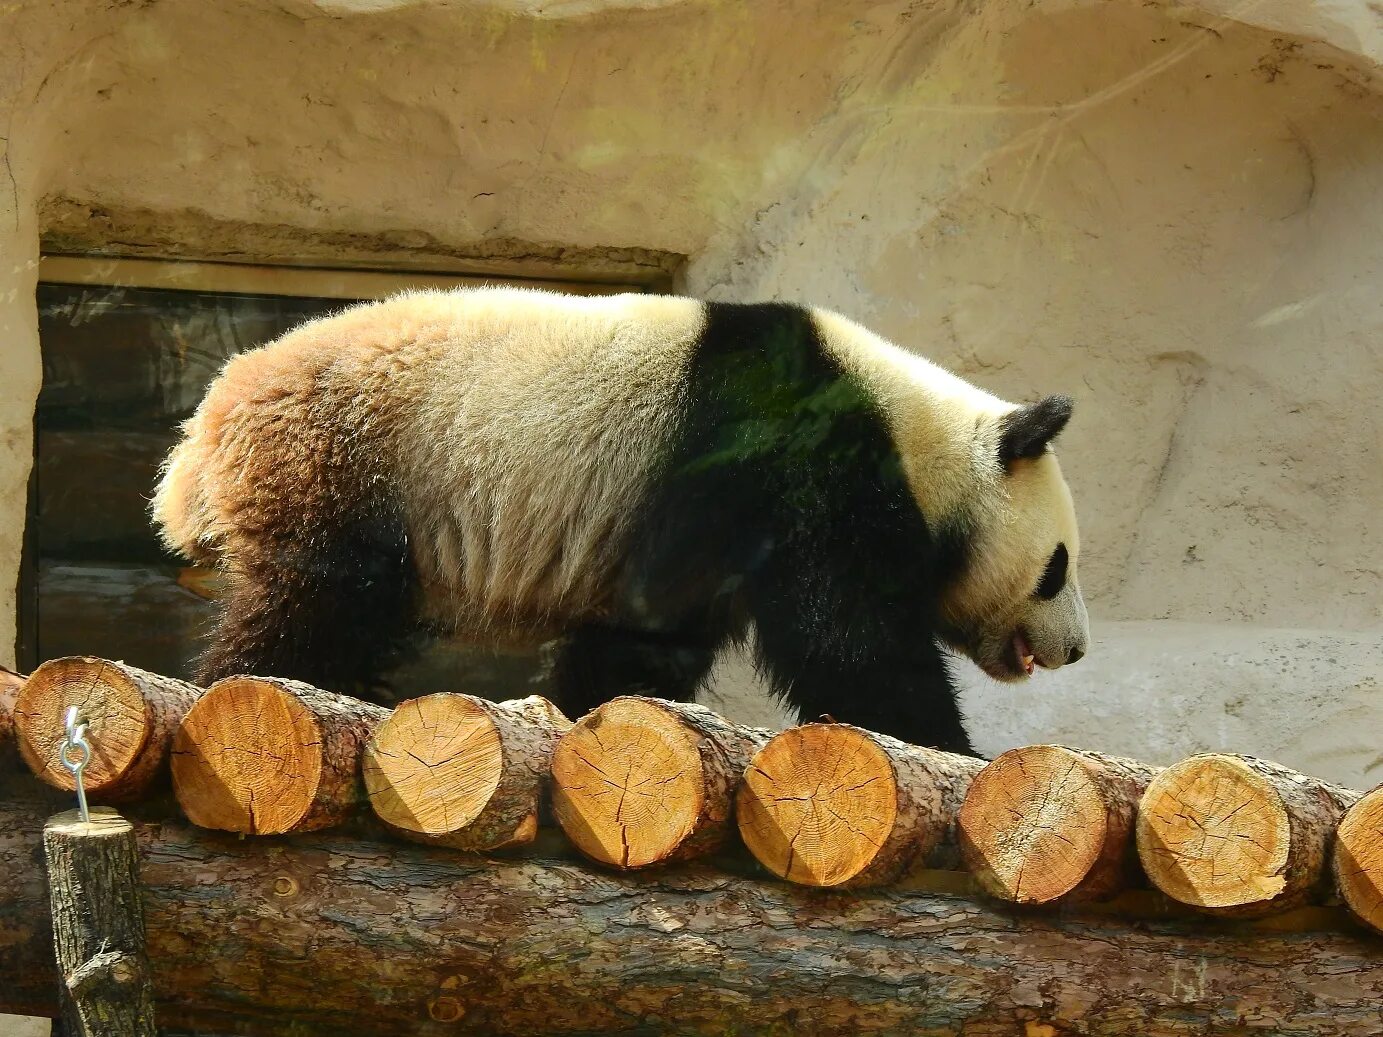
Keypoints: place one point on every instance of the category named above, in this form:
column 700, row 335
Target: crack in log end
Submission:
column 641, row 781
column 818, row 804
column 1038, row 821
column 1238, row 835
column 266, row 756
column 628, row 783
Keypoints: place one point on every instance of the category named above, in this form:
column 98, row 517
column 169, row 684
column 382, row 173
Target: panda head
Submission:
column 1015, row 603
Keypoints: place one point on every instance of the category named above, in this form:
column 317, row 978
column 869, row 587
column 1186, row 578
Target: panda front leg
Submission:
column 597, row 663
column 839, row 647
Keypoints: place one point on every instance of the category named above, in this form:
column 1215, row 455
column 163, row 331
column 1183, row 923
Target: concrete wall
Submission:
column 1171, row 211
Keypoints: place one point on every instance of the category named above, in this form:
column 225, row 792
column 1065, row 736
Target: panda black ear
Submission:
column 1026, row 431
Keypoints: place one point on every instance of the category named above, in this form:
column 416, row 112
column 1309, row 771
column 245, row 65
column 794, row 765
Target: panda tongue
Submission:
column 1023, row 651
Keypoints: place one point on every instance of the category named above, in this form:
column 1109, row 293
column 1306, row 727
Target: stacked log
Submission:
column 455, row 770
column 639, row 782
column 1357, row 862
column 1047, row 823
column 835, row 805
column 10, row 683
column 329, row 934
column 131, row 716
column 267, row 756
column 1238, row 836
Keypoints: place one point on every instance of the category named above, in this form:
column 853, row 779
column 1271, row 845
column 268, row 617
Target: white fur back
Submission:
column 532, row 422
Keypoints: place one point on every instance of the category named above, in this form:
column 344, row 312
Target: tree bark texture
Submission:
column 265, row 756
column 642, row 781
column 323, row 934
column 455, row 770
column 98, row 925
column 1238, row 836
column 1044, row 823
column 131, row 715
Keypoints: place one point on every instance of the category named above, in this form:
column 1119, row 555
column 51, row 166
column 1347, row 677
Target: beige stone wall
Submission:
column 1172, row 212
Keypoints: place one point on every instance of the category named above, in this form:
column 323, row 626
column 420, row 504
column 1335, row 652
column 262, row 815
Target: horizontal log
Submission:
column 454, row 770
column 1045, row 823
column 92, row 493
column 1238, row 836
column 1357, row 861
column 834, row 805
column 643, row 781
column 137, row 613
column 325, row 934
column 132, row 357
column 266, row 756
column 130, row 713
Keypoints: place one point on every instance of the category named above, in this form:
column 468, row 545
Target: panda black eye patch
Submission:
column 1054, row 577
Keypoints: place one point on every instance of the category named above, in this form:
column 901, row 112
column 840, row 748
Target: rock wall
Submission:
column 1171, row 211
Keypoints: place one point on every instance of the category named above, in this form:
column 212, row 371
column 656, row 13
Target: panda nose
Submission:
column 1075, row 655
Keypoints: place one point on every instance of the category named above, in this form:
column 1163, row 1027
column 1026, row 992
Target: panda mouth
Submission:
column 1021, row 658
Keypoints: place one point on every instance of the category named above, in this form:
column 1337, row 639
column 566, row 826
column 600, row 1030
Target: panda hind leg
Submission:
column 336, row 614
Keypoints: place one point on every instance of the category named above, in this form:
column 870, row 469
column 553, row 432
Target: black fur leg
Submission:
column 840, row 632
column 336, row 618
column 598, row 663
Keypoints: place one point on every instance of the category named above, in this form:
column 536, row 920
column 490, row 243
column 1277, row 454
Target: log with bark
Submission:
column 835, row 805
column 265, row 756
column 10, row 683
column 325, row 934
column 1238, row 836
column 455, row 770
column 131, row 715
column 1046, row 823
column 1358, row 859
column 642, row 781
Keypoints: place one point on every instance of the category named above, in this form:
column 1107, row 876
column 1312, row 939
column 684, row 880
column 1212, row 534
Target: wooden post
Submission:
column 131, row 714
column 1238, row 836
column 98, row 925
column 641, row 781
column 835, row 805
column 454, row 770
column 1045, row 822
column 266, row 756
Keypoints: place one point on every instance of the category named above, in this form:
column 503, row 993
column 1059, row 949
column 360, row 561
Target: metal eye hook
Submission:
column 75, row 738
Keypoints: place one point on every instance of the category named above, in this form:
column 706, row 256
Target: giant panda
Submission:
column 643, row 479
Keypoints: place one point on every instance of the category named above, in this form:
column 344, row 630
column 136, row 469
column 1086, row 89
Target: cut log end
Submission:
column 818, row 804
column 1358, row 859
column 464, row 772
column 1214, row 833
column 1033, row 825
column 248, row 758
column 628, row 783
column 110, row 701
column 431, row 768
column 105, row 823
